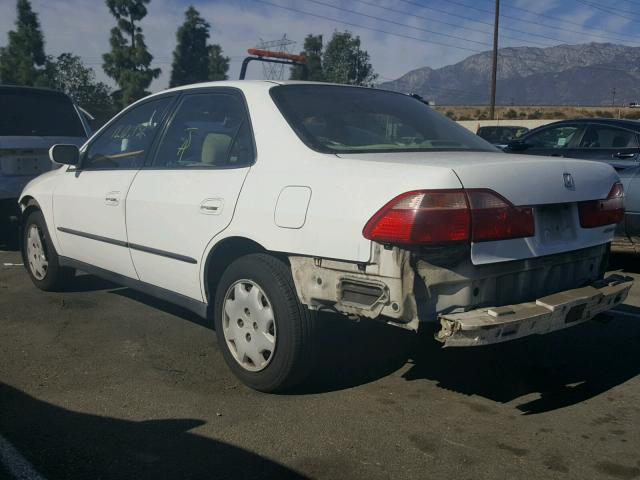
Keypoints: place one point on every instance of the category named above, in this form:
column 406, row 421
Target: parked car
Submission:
column 263, row 204
column 616, row 142
column 31, row 121
column 501, row 135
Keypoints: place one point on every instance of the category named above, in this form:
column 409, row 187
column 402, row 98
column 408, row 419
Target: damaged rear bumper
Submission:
column 485, row 326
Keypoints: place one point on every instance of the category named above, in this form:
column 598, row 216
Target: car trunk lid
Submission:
column 553, row 187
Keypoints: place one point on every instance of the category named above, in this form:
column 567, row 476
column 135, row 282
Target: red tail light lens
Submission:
column 437, row 217
column 598, row 213
column 494, row 218
column 421, row 218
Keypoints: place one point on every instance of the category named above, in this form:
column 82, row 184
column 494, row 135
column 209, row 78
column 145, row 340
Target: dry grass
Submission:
column 537, row 113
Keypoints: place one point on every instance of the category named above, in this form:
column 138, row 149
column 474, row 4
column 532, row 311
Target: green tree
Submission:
column 313, row 52
column 69, row 74
column 218, row 63
column 190, row 57
column 129, row 61
column 345, row 62
column 23, row 61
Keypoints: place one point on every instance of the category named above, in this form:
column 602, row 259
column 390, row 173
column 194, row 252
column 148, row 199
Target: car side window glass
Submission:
column 123, row 144
column 558, row 137
column 208, row 130
column 604, row 136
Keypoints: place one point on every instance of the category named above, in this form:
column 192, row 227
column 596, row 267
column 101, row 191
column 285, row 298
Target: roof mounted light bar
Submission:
column 273, row 57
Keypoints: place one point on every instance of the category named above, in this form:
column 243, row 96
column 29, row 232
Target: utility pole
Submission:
column 494, row 70
column 613, row 97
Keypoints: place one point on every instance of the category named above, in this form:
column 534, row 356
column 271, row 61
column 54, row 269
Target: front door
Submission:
column 89, row 201
column 553, row 141
column 187, row 193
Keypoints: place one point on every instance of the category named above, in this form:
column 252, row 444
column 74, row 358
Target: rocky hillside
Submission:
column 561, row 75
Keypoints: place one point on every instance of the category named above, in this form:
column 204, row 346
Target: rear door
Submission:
column 617, row 146
column 554, row 140
column 89, row 201
column 187, row 193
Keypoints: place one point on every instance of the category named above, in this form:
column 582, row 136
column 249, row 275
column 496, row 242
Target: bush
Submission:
column 511, row 114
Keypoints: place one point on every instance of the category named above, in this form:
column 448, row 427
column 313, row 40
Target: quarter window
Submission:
column 124, row 144
column 601, row 136
column 209, row 130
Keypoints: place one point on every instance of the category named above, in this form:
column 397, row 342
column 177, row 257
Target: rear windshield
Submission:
column 335, row 119
column 37, row 113
column 501, row 135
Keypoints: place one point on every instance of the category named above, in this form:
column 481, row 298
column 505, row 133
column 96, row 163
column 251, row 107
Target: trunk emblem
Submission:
column 568, row 181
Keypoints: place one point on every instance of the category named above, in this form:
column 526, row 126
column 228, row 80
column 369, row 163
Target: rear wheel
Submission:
column 264, row 332
column 40, row 257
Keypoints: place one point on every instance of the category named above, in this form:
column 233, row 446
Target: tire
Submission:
column 45, row 272
column 256, row 301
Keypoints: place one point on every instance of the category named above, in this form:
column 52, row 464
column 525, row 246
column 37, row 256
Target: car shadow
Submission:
column 63, row 444
column 628, row 262
column 9, row 241
column 559, row 369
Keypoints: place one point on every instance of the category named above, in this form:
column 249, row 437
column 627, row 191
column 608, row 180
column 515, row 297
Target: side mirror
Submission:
column 64, row 154
column 517, row 146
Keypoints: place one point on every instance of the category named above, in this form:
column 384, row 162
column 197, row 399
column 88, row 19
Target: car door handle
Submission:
column 556, row 155
column 624, row 155
column 112, row 199
column 212, row 206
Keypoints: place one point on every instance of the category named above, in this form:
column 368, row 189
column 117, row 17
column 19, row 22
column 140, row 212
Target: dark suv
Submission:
column 31, row 121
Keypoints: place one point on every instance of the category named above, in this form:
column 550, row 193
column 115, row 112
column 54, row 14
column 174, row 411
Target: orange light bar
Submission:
column 269, row 54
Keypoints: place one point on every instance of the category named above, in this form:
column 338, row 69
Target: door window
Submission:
column 209, row 130
column 555, row 137
column 603, row 136
column 124, row 144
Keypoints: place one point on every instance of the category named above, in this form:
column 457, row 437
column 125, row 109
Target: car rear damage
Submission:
column 425, row 266
column 474, row 305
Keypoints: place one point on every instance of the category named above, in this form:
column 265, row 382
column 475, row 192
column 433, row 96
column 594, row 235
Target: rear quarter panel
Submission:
column 345, row 193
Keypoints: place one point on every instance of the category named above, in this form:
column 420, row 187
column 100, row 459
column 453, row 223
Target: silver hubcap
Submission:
column 248, row 325
column 38, row 263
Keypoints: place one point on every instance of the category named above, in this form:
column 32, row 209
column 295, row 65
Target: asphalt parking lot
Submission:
column 103, row 382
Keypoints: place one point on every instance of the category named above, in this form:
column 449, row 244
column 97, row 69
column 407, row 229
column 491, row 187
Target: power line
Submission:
column 343, row 22
column 471, row 19
column 611, row 12
column 392, row 22
column 518, row 19
column 569, row 22
column 422, row 17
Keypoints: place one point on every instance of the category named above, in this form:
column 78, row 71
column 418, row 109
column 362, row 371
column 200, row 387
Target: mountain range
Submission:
column 585, row 74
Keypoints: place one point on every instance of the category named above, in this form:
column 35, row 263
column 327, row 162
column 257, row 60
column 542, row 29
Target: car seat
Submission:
column 215, row 149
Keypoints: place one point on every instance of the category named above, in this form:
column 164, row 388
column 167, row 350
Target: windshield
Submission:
column 38, row 113
column 335, row 119
column 501, row 135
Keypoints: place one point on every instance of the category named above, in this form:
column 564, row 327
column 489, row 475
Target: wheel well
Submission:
column 222, row 256
column 30, row 205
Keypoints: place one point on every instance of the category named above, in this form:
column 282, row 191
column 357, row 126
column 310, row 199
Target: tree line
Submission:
column 23, row 60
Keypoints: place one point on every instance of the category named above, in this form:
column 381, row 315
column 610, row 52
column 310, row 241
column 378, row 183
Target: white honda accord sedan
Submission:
column 261, row 204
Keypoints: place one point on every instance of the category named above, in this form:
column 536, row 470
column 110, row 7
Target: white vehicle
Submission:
column 262, row 203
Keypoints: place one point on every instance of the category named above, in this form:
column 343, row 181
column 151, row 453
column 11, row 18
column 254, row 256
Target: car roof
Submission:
column 619, row 122
column 254, row 84
column 21, row 88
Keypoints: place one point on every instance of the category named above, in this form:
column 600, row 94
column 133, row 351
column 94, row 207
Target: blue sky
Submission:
column 400, row 35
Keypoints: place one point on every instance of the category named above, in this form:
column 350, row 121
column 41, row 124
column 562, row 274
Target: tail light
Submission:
column 437, row 217
column 598, row 213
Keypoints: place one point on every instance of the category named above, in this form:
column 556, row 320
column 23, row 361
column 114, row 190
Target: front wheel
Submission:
column 264, row 332
column 40, row 257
